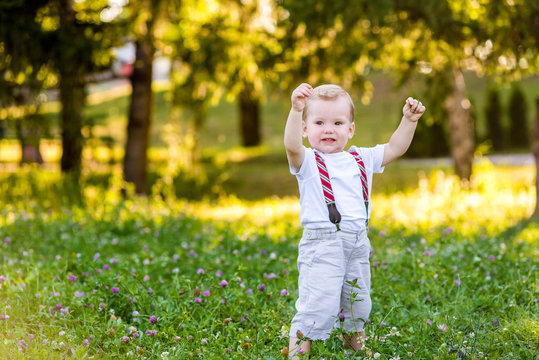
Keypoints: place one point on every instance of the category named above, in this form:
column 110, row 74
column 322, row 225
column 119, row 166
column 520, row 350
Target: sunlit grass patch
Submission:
column 530, row 234
column 494, row 200
column 453, row 269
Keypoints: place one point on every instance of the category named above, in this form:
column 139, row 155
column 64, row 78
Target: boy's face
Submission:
column 328, row 125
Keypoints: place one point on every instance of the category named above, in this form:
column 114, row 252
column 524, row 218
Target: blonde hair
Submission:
column 328, row 92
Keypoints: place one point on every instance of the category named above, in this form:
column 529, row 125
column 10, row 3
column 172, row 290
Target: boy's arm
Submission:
column 293, row 130
column 402, row 137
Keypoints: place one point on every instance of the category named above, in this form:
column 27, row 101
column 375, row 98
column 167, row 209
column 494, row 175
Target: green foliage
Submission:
column 519, row 133
column 226, row 48
column 431, row 138
column 493, row 112
column 48, row 44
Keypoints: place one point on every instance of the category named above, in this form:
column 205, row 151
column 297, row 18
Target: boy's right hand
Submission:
column 300, row 96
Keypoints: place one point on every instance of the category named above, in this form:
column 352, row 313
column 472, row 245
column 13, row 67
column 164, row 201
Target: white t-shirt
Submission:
column 346, row 183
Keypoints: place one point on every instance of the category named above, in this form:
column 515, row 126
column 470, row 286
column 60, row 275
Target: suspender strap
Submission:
column 363, row 176
column 334, row 215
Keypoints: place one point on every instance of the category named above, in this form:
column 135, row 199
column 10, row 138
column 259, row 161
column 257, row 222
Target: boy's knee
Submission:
column 362, row 309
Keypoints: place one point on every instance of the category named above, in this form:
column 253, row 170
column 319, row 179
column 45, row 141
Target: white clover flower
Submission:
column 284, row 332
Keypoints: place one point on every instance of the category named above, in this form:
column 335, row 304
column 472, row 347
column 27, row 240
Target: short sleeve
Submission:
column 374, row 156
column 378, row 158
column 309, row 157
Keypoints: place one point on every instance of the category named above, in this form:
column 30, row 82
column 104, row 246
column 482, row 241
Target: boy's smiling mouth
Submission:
column 329, row 140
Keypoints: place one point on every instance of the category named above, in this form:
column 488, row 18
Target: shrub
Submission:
column 519, row 134
column 493, row 112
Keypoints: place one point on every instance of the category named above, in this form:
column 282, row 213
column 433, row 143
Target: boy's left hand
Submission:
column 413, row 109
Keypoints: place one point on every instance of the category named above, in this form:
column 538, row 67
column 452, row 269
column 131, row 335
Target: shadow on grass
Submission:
column 512, row 232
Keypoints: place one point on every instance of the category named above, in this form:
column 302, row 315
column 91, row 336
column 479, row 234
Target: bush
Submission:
column 430, row 140
column 493, row 112
column 519, row 134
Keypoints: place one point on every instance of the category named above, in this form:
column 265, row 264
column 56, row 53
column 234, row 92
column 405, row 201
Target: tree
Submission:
column 519, row 135
column 140, row 116
column 461, row 126
column 22, row 72
column 252, row 42
column 535, row 151
column 339, row 41
column 227, row 47
column 80, row 43
column 493, row 112
column 145, row 15
column 194, row 35
column 430, row 40
column 430, row 138
column 442, row 39
column 59, row 43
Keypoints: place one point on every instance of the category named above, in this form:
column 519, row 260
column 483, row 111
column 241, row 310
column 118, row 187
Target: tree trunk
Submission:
column 29, row 135
column 72, row 94
column 140, row 110
column 535, row 150
column 461, row 127
column 200, row 112
column 250, row 119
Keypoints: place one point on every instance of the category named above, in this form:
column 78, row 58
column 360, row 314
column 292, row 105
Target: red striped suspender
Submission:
column 364, row 184
column 334, row 215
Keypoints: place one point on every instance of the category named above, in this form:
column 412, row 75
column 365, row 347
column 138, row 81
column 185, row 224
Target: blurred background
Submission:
column 188, row 99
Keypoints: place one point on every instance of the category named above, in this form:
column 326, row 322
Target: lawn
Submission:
column 87, row 273
column 454, row 273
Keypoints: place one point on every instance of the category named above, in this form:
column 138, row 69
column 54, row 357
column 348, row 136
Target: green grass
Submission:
column 454, row 269
column 454, row 272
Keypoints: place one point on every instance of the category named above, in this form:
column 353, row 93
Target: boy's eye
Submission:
column 319, row 123
column 338, row 123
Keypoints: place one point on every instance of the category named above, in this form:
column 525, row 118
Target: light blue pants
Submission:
column 328, row 261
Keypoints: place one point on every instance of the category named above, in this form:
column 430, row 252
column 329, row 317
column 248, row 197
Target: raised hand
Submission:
column 300, row 96
column 413, row 109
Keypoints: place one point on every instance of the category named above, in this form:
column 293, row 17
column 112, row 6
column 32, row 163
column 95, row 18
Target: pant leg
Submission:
column 321, row 266
column 355, row 298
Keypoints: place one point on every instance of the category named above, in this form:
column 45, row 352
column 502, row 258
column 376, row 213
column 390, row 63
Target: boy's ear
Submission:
column 351, row 129
column 303, row 129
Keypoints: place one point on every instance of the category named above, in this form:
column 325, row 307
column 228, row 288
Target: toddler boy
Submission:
column 335, row 187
